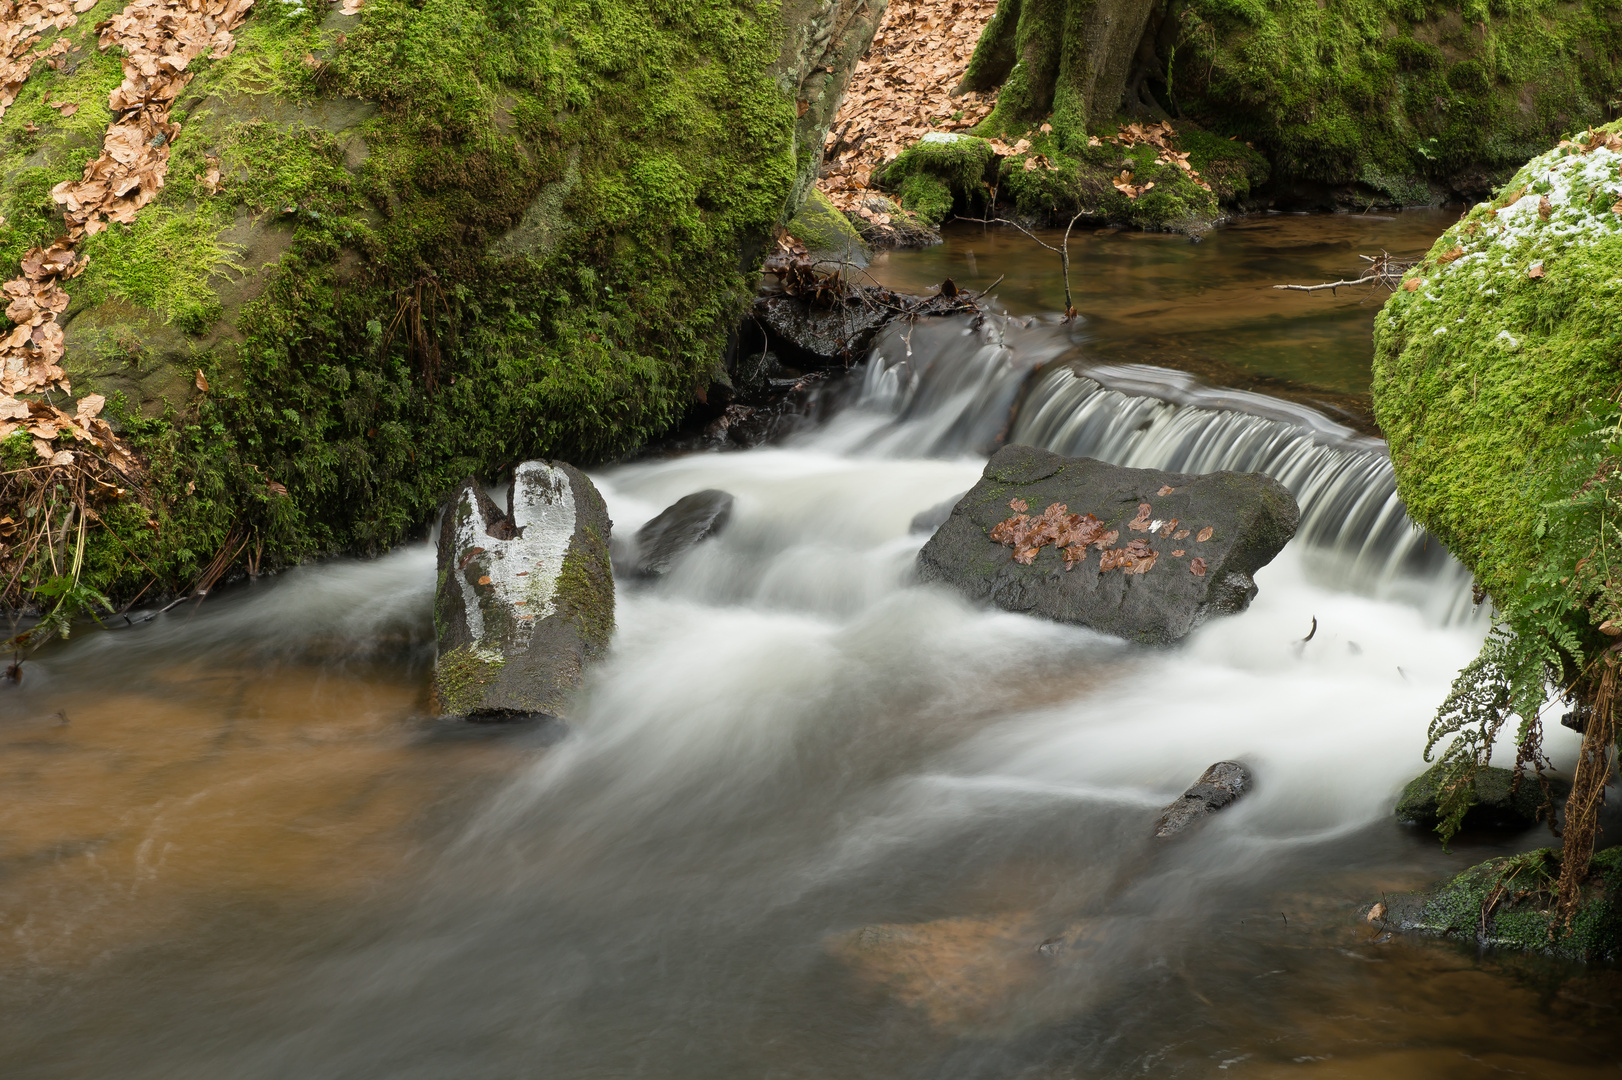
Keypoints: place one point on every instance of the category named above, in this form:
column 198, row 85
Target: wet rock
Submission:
column 526, row 597
column 828, row 235
column 1170, row 551
column 927, row 521
column 1218, row 786
column 1508, row 903
column 688, row 521
column 837, row 325
column 1498, row 804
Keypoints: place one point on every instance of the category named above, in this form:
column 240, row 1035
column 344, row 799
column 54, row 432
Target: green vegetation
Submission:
column 449, row 236
column 942, row 175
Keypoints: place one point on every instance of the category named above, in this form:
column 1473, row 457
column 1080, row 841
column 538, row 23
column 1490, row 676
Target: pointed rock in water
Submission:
column 525, row 598
column 683, row 524
column 1169, row 550
column 1218, row 786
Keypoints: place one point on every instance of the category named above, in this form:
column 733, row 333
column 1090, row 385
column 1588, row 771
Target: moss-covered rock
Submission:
column 1506, row 333
column 1499, row 802
column 1509, row 903
column 450, row 235
column 827, row 233
column 942, row 174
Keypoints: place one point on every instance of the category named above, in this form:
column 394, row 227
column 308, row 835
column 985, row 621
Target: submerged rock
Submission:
column 525, row 598
column 1509, row 903
column 1498, row 804
column 1217, row 787
column 688, row 521
column 1147, row 555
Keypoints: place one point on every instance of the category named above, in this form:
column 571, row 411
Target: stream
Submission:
column 815, row 821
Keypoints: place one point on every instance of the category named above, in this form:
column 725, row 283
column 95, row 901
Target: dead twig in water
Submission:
column 1383, row 272
column 1063, row 251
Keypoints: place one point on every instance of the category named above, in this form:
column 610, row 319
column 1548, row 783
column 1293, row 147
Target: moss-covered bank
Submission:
column 1351, row 102
column 450, row 235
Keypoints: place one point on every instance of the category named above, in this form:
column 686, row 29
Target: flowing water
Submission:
column 814, row 820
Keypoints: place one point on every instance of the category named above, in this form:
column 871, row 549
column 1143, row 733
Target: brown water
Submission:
column 1208, row 307
column 812, row 822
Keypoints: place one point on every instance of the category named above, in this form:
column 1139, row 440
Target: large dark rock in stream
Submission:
column 526, row 598
column 1140, row 553
column 683, row 524
column 1216, row 788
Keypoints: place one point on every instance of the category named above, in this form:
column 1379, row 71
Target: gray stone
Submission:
column 526, row 598
column 1218, row 786
column 927, row 521
column 1250, row 518
column 688, row 521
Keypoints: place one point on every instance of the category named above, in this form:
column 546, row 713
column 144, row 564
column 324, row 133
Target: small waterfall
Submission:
column 955, row 385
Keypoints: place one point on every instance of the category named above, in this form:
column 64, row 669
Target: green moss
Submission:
column 1481, row 370
column 1521, row 918
column 470, row 233
column 461, row 677
column 826, row 231
column 940, row 175
column 585, row 590
column 1063, row 184
column 1349, row 90
column 1498, row 802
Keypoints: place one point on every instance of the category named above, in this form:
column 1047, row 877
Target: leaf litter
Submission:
column 901, row 91
column 159, row 39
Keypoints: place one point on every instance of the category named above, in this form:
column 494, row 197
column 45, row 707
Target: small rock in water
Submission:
column 525, row 598
column 927, row 521
column 1218, row 786
column 683, row 524
column 1082, row 541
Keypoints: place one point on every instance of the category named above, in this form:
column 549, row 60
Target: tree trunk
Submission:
column 1066, row 61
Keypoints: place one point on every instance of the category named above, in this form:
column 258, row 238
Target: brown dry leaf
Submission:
column 1178, row 554
column 1535, row 270
column 1165, row 490
column 276, row 488
column 201, row 381
column 1545, row 208
column 350, row 7
column 1196, row 567
column 1205, row 534
column 1018, row 505
column 1410, row 285
column 1179, row 534
column 484, row 579
column 1141, row 522
column 1166, row 529
column 1376, row 913
column 1449, row 256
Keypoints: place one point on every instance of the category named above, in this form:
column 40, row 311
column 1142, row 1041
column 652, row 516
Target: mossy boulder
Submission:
column 448, row 236
column 1499, row 802
column 944, row 173
column 1505, row 334
column 827, row 234
column 1509, row 903
column 525, row 600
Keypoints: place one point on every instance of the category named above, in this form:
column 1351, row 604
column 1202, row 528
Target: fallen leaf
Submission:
column 1197, row 567
column 1141, row 522
column 1164, row 491
column 484, row 579
column 1205, row 534
column 1535, row 270
column 1410, row 285
column 1377, row 912
column 201, row 381
column 1609, row 628
column 276, row 488
column 1449, row 256
column 1545, row 208
column 1179, row 534
column 1019, row 505
column 1178, row 553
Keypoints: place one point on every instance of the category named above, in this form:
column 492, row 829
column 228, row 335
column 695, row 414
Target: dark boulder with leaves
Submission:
column 1498, row 803
column 1139, row 553
column 526, row 596
column 1218, row 787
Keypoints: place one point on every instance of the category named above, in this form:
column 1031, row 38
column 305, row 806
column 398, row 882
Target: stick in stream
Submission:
column 1062, row 251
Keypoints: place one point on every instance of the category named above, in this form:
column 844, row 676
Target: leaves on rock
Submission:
column 1141, row 522
column 1165, row 490
column 1197, row 567
column 1179, row 534
column 1067, row 532
column 1205, row 534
